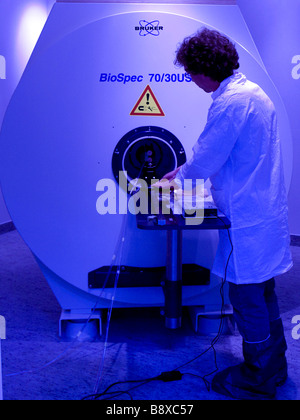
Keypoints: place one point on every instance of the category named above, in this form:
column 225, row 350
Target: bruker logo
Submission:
column 146, row 28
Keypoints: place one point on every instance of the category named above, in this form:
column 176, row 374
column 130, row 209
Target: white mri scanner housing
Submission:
column 99, row 88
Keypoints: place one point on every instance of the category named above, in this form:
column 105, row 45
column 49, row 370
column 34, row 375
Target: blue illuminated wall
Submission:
column 21, row 22
column 275, row 28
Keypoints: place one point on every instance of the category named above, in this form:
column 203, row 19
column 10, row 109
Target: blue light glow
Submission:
column 31, row 24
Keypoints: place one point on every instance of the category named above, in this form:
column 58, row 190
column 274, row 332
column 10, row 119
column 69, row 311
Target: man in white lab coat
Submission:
column 239, row 150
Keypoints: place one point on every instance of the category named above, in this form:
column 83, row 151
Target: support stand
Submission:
column 174, row 225
column 71, row 322
column 173, row 284
column 2, row 337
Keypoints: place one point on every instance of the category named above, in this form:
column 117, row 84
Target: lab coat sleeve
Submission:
column 224, row 125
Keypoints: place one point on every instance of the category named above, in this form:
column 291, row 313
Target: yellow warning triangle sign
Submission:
column 147, row 105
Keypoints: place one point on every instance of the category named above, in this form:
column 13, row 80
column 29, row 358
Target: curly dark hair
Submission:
column 209, row 53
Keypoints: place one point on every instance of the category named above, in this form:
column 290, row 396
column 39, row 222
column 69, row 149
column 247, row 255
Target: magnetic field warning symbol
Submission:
column 147, row 105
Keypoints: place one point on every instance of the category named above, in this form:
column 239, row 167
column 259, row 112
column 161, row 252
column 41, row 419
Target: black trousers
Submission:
column 255, row 306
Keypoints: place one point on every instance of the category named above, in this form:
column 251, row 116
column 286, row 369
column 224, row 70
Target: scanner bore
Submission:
column 147, row 153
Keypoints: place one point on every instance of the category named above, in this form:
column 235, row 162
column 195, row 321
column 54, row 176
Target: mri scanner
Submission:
column 99, row 87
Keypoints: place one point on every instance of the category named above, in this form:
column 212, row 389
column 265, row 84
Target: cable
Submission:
column 101, row 366
column 175, row 374
column 123, row 229
column 215, row 340
column 97, row 396
column 164, row 376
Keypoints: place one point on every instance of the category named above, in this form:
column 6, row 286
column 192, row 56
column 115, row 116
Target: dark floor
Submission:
column 138, row 347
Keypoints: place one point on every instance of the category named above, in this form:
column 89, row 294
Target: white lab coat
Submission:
column 239, row 150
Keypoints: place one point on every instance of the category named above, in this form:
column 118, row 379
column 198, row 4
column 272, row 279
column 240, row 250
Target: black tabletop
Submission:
column 178, row 222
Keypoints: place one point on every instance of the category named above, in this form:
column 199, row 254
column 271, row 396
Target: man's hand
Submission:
column 166, row 181
column 172, row 175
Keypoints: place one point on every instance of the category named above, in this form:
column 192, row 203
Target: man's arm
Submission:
column 216, row 141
